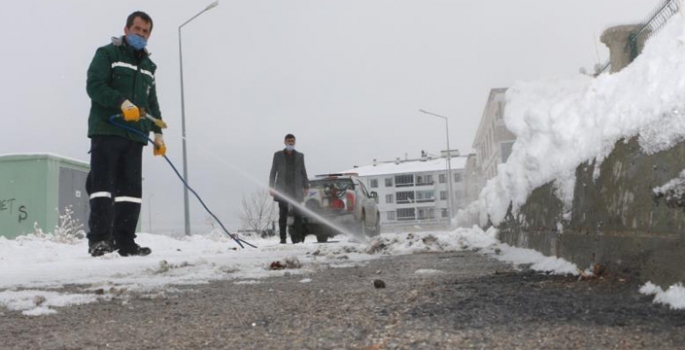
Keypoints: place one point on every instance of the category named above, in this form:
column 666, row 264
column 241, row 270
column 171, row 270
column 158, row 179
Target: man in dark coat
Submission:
column 288, row 184
column 121, row 80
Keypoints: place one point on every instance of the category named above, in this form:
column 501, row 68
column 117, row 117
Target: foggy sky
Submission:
column 347, row 77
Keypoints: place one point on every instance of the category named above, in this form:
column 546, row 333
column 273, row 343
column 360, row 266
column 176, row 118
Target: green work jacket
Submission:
column 118, row 73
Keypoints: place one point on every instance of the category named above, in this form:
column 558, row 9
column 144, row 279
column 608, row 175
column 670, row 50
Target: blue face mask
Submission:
column 289, row 147
column 136, row 41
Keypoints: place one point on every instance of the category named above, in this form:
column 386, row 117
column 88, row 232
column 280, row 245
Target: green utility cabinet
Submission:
column 35, row 189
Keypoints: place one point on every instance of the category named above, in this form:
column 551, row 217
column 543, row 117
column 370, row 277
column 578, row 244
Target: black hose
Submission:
column 126, row 127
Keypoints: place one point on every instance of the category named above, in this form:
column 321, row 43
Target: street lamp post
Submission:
column 449, row 163
column 183, row 117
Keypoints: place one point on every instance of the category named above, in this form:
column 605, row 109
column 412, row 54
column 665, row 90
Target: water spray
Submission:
column 290, row 201
column 320, row 218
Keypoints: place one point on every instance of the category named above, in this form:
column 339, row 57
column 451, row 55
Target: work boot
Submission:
column 100, row 248
column 134, row 250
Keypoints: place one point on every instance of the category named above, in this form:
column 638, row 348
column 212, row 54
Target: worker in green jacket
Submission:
column 121, row 81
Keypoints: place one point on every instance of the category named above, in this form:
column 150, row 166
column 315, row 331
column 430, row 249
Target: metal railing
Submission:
column 655, row 21
column 606, row 67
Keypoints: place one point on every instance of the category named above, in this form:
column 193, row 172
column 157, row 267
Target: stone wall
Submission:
column 616, row 220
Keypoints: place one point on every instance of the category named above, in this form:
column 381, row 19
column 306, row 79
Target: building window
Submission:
column 443, row 195
column 404, row 180
column 405, row 197
column 388, row 198
column 423, row 180
column 406, row 214
column 425, row 196
column 442, row 178
column 443, row 212
column 457, row 177
column 388, row 182
column 391, row 216
column 373, row 183
column 426, row 213
column 500, row 110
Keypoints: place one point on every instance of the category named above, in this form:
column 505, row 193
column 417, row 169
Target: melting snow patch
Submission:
column 674, row 296
column 248, row 282
column 343, row 265
column 427, row 272
column 539, row 262
column 37, row 302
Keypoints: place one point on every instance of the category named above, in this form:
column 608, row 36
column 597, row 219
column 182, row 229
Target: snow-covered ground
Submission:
column 34, row 270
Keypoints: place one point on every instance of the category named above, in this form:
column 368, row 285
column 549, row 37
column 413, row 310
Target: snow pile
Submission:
column 34, row 270
column 560, row 123
column 471, row 239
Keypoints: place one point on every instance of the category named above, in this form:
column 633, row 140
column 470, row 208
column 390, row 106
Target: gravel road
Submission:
column 457, row 300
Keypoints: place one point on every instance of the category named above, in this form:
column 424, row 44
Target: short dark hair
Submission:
column 289, row 136
column 144, row 16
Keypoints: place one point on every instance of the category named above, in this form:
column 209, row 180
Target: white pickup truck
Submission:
column 341, row 201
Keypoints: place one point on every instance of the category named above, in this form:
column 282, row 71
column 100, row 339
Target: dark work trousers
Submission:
column 115, row 188
column 296, row 235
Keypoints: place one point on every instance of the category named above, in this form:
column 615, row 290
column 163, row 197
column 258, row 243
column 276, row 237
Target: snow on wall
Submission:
column 560, row 123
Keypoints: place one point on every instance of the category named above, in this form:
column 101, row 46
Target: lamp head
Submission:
column 212, row 5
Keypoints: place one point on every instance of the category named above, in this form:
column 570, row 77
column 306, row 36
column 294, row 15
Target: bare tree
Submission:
column 258, row 212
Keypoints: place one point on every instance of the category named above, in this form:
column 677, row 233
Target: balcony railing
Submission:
column 425, row 200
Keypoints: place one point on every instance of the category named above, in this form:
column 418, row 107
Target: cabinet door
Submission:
column 72, row 192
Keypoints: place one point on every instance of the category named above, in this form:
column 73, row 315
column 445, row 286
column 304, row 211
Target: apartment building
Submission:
column 493, row 144
column 493, row 140
column 413, row 194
